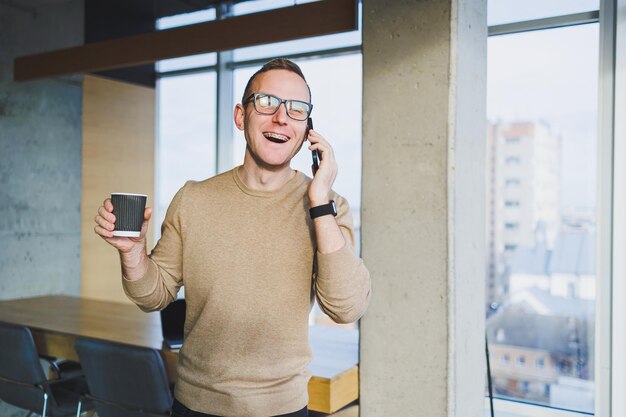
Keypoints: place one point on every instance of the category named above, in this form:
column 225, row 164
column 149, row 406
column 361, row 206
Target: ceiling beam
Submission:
column 296, row 22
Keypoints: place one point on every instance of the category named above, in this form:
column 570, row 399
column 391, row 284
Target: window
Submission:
column 186, row 135
column 505, row 359
column 511, row 226
column 524, row 386
column 513, row 160
column 512, row 182
column 542, row 116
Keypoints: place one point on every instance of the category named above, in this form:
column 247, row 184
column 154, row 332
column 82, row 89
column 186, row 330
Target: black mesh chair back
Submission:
column 23, row 382
column 20, row 371
column 124, row 380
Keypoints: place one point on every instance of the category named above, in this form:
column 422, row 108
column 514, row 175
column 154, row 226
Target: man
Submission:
column 251, row 256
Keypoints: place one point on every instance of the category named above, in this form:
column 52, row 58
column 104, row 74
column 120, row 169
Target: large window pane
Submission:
column 186, row 135
column 542, row 111
column 508, row 11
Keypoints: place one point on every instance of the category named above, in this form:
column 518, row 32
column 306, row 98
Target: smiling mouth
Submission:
column 275, row 137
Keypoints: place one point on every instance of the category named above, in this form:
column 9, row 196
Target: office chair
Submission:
column 23, row 382
column 124, row 380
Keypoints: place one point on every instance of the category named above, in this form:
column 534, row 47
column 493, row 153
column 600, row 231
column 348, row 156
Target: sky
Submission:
column 507, row 11
column 550, row 76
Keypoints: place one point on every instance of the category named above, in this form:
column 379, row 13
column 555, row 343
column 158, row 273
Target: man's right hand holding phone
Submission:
column 324, row 178
column 327, row 233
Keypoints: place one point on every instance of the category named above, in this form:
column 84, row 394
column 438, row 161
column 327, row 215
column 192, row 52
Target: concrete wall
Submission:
column 424, row 71
column 40, row 154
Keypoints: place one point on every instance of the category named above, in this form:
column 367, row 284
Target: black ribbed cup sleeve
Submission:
column 128, row 210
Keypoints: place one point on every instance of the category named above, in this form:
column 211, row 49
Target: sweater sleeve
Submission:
column 163, row 278
column 342, row 283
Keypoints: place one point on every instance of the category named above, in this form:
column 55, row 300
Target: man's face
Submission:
column 273, row 140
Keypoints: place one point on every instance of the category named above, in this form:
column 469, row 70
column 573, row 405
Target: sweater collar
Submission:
column 293, row 183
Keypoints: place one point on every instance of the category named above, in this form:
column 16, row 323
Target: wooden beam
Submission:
column 302, row 21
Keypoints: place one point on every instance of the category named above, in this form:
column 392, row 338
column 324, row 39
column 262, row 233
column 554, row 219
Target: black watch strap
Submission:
column 323, row 210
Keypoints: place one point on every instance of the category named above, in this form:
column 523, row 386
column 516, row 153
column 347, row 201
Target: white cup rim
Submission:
column 141, row 195
column 126, row 233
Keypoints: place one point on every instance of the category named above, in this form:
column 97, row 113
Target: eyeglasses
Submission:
column 269, row 104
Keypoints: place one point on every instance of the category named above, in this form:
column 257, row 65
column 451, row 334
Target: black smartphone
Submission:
column 315, row 154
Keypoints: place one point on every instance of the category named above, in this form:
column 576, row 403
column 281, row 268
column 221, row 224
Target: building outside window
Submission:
column 512, row 182
column 539, row 363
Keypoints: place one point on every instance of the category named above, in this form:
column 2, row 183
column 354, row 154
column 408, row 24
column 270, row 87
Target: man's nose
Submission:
column 281, row 114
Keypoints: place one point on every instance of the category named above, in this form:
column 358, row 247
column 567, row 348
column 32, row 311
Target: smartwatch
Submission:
column 323, row 210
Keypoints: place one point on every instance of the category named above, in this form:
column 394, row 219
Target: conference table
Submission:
column 56, row 321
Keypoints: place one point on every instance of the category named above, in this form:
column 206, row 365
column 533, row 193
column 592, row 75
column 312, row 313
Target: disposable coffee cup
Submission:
column 128, row 210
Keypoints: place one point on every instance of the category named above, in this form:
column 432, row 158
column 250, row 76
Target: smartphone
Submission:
column 315, row 154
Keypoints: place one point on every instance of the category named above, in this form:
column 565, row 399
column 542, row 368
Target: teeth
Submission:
column 271, row 135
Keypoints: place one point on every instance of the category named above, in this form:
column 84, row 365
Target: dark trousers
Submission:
column 179, row 410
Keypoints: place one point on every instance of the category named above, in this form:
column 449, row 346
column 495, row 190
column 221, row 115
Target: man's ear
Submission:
column 239, row 116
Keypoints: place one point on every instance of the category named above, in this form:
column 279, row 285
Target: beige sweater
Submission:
column 247, row 260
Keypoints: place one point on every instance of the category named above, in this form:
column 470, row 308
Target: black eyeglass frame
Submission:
column 252, row 97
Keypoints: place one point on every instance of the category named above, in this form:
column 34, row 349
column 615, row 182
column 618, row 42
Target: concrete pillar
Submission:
column 40, row 155
column 423, row 207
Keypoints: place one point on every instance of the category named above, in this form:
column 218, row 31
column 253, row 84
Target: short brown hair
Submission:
column 275, row 64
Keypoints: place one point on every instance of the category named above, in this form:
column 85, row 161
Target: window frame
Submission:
column 612, row 368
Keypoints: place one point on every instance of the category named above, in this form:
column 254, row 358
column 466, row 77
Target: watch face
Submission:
column 332, row 202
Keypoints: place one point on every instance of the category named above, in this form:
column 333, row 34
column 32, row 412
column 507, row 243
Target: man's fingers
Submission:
column 106, row 215
column 104, row 223
column 325, row 150
column 147, row 214
column 108, row 206
column 315, row 137
column 103, row 232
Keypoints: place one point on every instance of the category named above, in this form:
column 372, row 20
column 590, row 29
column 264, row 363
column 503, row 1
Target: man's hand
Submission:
column 327, row 233
column 132, row 249
column 324, row 178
